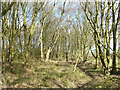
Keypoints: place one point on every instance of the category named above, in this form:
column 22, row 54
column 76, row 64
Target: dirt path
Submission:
column 58, row 74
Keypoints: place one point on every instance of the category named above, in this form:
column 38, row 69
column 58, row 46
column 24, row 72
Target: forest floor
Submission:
column 0, row 73
column 56, row 75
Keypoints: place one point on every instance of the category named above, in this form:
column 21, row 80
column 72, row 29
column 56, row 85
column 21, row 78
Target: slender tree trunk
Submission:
column 114, row 53
column 114, row 41
column 84, row 52
column 57, row 54
column 67, row 56
column 97, row 54
column 13, row 33
column 48, row 54
column 3, row 51
column 102, row 55
column 51, row 48
column 107, row 32
column 41, row 41
column 59, row 51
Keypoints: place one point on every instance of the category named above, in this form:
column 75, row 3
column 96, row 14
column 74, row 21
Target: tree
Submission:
column 114, row 27
column 100, row 33
column 6, row 8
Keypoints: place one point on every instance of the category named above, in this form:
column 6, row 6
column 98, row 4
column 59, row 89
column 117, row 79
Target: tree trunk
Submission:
column 114, row 41
column 48, row 54
column 3, row 51
column 41, row 42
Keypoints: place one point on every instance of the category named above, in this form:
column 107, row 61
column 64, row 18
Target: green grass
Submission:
column 55, row 75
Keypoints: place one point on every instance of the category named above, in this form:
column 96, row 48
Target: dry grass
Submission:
column 55, row 75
